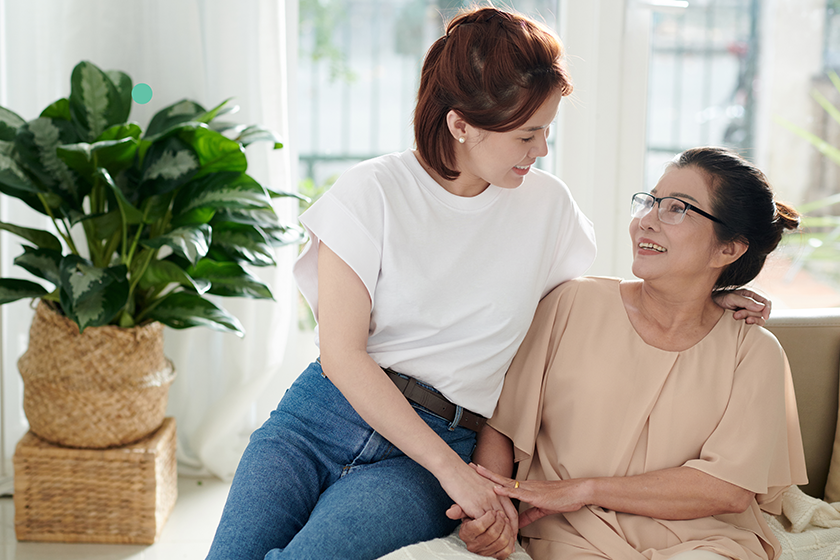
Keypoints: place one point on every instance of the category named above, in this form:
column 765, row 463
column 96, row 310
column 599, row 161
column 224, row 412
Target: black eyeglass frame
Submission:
column 688, row 206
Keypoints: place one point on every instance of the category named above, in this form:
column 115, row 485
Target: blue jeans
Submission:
column 316, row 482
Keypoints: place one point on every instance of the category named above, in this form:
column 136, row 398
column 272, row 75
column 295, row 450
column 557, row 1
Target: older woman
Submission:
column 646, row 423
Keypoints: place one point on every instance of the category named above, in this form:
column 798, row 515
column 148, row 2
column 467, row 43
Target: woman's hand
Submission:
column 474, row 496
column 545, row 496
column 489, row 535
column 748, row 305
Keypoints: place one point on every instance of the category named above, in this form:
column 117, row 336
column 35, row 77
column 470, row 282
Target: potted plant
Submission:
column 149, row 224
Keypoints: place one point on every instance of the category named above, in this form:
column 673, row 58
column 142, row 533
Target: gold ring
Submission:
column 516, row 484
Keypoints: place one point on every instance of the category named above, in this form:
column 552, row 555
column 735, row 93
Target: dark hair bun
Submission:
column 743, row 201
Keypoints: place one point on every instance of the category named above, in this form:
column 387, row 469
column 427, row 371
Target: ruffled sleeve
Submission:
column 754, row 446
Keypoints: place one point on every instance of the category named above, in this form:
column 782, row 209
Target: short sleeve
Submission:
column 576, row 246
column 349, row 220
column 757, row 444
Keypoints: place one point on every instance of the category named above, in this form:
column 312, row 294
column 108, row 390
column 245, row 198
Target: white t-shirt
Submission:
column 453, row 281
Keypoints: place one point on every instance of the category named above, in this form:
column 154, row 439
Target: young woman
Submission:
column 424, row 270
column 647, row 424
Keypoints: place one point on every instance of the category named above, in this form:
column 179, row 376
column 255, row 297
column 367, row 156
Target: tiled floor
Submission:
column 186, row 536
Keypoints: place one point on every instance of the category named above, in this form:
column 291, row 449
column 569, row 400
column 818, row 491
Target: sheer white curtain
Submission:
column 207, row 51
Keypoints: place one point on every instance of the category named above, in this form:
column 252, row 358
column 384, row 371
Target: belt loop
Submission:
column 459, row 411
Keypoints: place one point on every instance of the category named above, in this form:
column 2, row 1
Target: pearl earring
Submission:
column 462, row 139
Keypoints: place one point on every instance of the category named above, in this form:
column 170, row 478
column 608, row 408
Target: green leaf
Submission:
column 129, row 214
column 120, row 131
column 280, row 236
column 42, row 239
column 123, row 85
column 182, row 310
column 233, row 191
column 43, row 263
column 256, row 133
column 242, row 242
column 230, row 279
column 288, row 194
column 11, row 173
column 215, row 111
column 819, row 204
column 113, row 155
column 9, row 123
column 58, row 110
column 190, row 242
column 833, row 112
column 12, row 289
column 194, row 217
column 262, row 217
column 177, row 113
column 92, row 296
column 160, row 274
column 36, row 145
column 215, row 152
column 168, row 164
column 821, row 145
column 95, row 102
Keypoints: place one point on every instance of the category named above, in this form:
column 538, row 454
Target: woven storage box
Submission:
column 117, row 495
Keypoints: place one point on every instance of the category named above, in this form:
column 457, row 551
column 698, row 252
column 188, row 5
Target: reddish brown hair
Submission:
column 495, row 69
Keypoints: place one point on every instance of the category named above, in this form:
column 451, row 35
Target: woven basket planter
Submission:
column 102, row 388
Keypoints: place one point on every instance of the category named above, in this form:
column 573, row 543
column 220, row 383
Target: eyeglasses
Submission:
column 671, row 210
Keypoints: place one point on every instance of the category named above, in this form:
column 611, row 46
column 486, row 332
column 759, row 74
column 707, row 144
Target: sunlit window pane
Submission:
column 729, row 73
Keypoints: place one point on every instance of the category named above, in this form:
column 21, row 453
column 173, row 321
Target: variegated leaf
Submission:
column 11, row 173
column 95, row 103
column 36, row 144
column 177, row 113
column 182, row 310
column 9, row 123
column 12, row 289
column 256, row 133
column 234, row 191
column 92, row 296
column 243, row 243
column 190, row 242
column 262, row 217
column 168, row 164
column 280, row 236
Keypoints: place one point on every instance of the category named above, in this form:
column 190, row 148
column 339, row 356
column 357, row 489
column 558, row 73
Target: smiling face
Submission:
column 687, row 250
column 500, row 158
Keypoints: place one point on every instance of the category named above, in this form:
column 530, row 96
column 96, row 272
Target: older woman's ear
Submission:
column 730, row 252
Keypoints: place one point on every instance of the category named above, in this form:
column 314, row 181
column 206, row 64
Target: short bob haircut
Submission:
column 493, row 68
column 743, row 201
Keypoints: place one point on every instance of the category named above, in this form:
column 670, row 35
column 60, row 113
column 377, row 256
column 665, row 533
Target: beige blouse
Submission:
column 587, row 397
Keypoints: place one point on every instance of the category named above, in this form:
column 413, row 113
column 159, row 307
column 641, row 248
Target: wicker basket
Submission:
column 119, row 495
column 105, row 387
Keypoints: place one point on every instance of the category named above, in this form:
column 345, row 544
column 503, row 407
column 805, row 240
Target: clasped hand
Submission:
column 492, row 534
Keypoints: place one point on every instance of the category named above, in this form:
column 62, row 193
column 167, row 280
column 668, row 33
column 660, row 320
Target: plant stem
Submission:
column 67, row 238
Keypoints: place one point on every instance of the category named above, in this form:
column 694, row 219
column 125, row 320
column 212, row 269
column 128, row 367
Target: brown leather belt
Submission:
column 433, row 401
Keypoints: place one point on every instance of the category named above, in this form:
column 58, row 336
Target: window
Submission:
column 729, row 72
column 358, row 74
